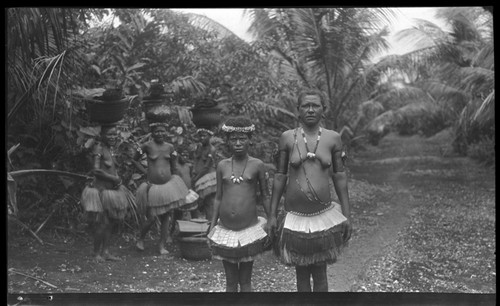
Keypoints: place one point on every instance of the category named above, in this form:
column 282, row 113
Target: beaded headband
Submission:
column 158, row 124
column 245, row 129
column 204, row 130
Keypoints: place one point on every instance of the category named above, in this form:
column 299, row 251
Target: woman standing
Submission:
column 105, row 200
column 315, row 228
column 164, row 191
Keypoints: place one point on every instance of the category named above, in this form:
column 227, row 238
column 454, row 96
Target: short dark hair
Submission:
column 239, row 121
column 312, row 92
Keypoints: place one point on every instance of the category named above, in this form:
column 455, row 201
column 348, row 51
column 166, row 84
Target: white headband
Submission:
column 204, row 130
column 158, row 124
column 230, row 129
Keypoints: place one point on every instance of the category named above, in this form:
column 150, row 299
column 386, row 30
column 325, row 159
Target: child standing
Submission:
column 236, row 233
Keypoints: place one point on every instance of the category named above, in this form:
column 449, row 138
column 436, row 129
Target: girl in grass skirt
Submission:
column 204, row 173
column 314, row 229
column 236, row 234
column 105, row 199
column 164, row 191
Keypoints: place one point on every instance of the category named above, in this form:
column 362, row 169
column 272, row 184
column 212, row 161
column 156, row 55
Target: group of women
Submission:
column 309, row 235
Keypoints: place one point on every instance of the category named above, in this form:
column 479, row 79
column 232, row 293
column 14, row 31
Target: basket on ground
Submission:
column 194, row 248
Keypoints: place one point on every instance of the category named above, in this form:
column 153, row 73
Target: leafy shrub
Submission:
column 483, row 151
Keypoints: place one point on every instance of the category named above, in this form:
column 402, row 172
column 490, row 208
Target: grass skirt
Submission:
column 113, row 201
column 206, row 185
column 159, row 199
column 305, row 240
column 239, row 246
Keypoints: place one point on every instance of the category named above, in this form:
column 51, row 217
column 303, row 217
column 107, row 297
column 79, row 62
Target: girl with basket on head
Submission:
column 315, row 228
column 105, row 200
column 164, row 190
column 236, row 233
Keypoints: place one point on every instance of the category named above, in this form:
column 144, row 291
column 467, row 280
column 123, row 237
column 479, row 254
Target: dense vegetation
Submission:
column 55, row 56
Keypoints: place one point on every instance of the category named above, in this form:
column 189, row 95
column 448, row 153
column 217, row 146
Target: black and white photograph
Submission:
column 155, row 153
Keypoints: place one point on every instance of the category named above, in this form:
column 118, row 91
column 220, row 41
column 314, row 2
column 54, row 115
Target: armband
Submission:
column 338, row 161
column 282, row 162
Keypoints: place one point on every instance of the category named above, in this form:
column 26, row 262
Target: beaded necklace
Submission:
column 315, row 196
column 237, row 180
column 311, row 155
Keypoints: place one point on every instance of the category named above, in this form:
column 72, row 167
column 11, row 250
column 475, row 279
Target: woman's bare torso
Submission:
column 107, row 164
column 299, row 197
column 159, row 156
column 203, row 159
column 238, row 208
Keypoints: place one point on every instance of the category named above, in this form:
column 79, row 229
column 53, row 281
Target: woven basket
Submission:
column 106, row 111
column 206, row 116
column 194, row 248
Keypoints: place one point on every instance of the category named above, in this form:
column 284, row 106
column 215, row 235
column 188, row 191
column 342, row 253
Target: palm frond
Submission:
column 486, row 112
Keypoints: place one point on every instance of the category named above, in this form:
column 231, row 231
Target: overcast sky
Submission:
column 234, row 20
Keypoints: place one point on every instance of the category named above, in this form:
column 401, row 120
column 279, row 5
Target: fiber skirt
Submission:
column 305, row 240
column 159, row 199
column 239, row 246
column 113, row 201
column 206, row 185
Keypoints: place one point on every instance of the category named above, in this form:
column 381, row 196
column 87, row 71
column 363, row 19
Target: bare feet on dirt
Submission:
column 111, row 257
column 140, row 245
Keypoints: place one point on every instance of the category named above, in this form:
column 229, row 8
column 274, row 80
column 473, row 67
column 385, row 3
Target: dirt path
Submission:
column 378, row 225
column 389, row 185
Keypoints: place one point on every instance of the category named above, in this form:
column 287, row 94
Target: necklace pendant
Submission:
column 311, row 155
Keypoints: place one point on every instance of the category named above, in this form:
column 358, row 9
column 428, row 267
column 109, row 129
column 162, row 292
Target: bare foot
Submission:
column 99, row 258
column 140, row 245
column 163, row 251
column 110, row 257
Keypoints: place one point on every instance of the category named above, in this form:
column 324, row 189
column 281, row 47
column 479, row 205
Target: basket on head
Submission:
column 106, row 111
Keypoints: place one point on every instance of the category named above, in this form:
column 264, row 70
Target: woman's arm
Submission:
column 218, row 198
column 173, row 162
column 97, row 153
column 279, row 183
column 137, row 156
column 264, row 190
column 339, row 178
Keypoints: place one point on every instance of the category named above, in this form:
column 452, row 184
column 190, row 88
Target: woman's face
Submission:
column 110, row 137
column 204, row 138
column 310, row 110
column 159, row 133
column 239, row 143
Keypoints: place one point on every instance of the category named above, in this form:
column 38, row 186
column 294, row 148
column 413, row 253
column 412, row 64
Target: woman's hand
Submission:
column 346, row 235
column 270, row 226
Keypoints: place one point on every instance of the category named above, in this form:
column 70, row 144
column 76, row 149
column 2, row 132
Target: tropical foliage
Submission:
column 57, row 56
column 450, row 75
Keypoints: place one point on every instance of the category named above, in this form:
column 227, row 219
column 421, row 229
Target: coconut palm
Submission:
column 325, row 48
column 453, row 69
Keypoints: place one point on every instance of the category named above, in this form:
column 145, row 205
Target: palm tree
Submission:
column 325, row 48
column 453, row 69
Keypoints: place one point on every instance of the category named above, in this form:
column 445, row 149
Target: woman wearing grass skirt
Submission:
column 105, row 199
column 164, row 190
column 236, row 234
column 314, row 228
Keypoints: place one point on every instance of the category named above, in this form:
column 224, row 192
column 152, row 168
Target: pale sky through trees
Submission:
column 234, row 20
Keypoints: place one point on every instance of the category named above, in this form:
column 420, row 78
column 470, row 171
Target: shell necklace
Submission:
column 311, row 155
column 237, row 180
